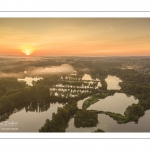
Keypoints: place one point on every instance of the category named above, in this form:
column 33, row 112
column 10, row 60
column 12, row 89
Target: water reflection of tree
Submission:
column 38, row 107
column 6, row 115
column 44, row 106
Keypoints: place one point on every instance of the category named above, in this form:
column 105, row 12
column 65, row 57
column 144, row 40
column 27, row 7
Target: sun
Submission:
column 27, row 52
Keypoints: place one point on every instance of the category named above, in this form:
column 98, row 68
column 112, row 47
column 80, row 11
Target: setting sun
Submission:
column 27, row 52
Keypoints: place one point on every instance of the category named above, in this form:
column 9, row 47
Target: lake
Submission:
column 31, row 121
column 116, row 103
column 109, row 125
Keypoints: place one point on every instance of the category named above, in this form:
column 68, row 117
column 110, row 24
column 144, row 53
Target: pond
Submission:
column 86, row 77
column 112, row 82
column 31, row 121
column 116, row 103
column 109, row 125
column 29, row 80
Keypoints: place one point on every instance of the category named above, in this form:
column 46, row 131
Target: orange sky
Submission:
column 81, row 37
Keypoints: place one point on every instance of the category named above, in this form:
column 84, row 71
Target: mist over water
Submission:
column 64, row 68
column 34, row 71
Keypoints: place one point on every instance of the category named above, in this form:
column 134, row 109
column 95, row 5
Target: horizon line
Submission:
column 73, row 56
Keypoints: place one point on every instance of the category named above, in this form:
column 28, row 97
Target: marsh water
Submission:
column 31, row 118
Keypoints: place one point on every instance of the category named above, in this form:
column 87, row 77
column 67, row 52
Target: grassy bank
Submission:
column 89, row 102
